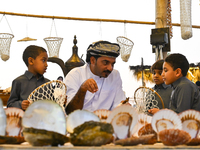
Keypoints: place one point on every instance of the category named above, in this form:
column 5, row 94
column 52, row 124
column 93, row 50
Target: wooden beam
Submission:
column 86, row 19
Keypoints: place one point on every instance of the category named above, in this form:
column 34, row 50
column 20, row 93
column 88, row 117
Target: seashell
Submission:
column 41, row 137
column 146, row 129
column 11, row 139
column 14, row 117
column 194, row 142
column 123, row 119
column 102, row 114
column 145, row 139
column 46, row 115
column 173, row 137
column 92, row 133
column 190, row 122
column 2, row 119
column 78, row 117
column 143, row 119
column 165, row 119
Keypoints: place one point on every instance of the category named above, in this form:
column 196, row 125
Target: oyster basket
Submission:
column 126, row 46
column 53, row 45
column 5, row 41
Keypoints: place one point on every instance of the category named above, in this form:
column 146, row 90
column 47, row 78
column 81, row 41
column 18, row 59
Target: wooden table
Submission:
column 157, row 146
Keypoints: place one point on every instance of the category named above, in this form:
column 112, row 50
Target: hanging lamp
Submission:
column 26, row 38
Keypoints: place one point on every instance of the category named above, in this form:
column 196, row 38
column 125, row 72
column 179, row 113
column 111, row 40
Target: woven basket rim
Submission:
column 52, row 38
column 122, row 37
column 7, row 34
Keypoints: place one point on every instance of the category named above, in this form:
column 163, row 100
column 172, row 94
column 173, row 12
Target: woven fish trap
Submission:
column 53, row 45
column 5, row 41
column 126, row 46
column 185, row 19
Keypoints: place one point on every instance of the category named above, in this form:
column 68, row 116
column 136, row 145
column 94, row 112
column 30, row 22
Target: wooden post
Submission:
column 161, row 17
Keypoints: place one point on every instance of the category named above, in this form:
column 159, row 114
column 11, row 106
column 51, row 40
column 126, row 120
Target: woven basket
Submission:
column 5, row 41
column 126, row 46
column 53, row 45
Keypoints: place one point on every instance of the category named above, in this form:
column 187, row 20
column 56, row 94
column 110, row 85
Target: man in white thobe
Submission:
column 96, row 85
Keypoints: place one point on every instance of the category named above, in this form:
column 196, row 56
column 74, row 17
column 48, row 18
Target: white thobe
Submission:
column 109, row 93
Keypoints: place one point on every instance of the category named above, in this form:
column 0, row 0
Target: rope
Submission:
column 53, row 24
column 7, row 22
column 125, row 33
column 100, row 30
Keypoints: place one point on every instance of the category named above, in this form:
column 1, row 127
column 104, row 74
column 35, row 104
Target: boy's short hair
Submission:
column 32, row 51
column 157, row 65
column 177, row 60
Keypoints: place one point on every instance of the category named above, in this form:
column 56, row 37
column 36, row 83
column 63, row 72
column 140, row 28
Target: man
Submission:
column 96, row 85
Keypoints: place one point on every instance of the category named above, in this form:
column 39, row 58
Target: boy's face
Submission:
column 168, row 74
column 157, row 78
column 39, row 64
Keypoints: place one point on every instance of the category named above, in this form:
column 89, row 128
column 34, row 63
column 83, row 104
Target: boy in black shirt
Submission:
column 35, row 58
column 185, row 94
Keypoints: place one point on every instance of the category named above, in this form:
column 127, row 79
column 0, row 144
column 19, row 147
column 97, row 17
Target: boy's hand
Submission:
column 153, row 110
column 25, row 104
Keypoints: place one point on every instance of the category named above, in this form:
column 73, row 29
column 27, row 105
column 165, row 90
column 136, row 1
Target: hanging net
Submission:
column 185, row 19
column 53, row 45
column 5, row 41
column 169, row 19
column 126, row 46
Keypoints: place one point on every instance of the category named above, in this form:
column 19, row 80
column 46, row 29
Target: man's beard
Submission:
column 107, row 72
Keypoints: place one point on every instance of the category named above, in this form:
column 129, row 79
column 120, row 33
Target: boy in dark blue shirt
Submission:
column 185, row 94
column 35, row 58
column 160, row 87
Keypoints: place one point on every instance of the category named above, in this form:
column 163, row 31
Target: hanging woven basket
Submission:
column 185, row 19
column 126, row 46
column 5, row 41
column 53, row 45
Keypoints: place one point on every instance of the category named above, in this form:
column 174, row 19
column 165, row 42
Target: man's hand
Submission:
column 25, row 104
column 90, row 85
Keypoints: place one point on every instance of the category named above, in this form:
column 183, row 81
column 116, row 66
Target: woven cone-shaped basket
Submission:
column 126, row 46
column 5, row 41
column 53, row 44
column 185, row 19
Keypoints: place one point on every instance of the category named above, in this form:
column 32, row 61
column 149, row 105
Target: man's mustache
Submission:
column 107, row 71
